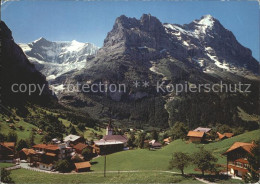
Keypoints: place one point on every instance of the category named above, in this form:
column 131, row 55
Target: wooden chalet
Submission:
column 46, row 154
column 237, row 163
column 80, row 147
column 195, row 136
column 155, row 145
column 82, row 166
column 167, row 140
column 73, row 139
column 25, row 154
column 202, row 129
column 7, row 150
column 224, row 136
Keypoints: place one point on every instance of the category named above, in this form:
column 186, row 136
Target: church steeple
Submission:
column 109, row 129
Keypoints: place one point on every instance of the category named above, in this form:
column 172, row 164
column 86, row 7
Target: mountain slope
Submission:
column 16, row 69
column 202, row 52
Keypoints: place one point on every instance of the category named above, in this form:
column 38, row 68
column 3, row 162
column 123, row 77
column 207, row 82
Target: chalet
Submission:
column 73, row 139
column 224, row 136
column 9, row 144
column 46, row 154
column 202, row 129
column 167, row 140
column 76, row 156
column 237, row 163
column 195, row 136
column 82, row 166
column 12, row 126
column 25, row 154
column 79, row 147
column 6, row 150
column 155, row 145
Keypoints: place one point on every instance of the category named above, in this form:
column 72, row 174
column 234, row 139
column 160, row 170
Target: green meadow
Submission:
column 144, row 159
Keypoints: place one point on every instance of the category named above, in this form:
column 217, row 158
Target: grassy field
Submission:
column 3, row 165
column 27, row 176
column 22, row 134
column 142, row 159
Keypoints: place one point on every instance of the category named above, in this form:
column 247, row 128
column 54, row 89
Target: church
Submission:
column 110, row 143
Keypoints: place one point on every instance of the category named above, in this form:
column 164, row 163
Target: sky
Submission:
column 90, row 21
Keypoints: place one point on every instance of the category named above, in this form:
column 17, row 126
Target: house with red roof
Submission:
column 237, row 163
column 7, row 150
column 82, row 166
column 45, row 155
column 224, row 136
column 78, row 148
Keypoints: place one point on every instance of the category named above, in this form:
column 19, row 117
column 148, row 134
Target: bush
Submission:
column 5, row 176
column 21, row 144
column 63, row 166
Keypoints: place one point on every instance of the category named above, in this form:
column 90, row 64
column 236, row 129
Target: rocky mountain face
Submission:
column 56, row 58
column 148, row 50
column 16, row 69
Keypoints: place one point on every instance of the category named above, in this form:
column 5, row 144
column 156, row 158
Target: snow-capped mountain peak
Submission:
column 54, row 58
column 206, row 20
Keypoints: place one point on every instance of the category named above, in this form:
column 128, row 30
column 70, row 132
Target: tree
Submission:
column 63, row 166
column 31, row 139
column 21, row 144
column 154, row 135
column 178, row 131
column 12, row 136
column 46, row 138
column 140, row 140
column 179, row 161
column 254, row 164
column 131, row 140
column 5, row 176
column 73, row 131
column 204, row 160
column 87, row 153
column 2, row 137
column 224, row 129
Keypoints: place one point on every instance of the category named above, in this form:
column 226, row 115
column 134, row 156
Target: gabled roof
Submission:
column 9, row 144
column 195, row 134
column 82, row 165
column 246, row 146
column 28, row 151
column 167, row 139
column 10, row 149
column 156, row 144
column 201, row 129
column 80, row 146
column 71, row 138
column 110, row 142
column 121, row 138
column 227, row 135
column 46, row 146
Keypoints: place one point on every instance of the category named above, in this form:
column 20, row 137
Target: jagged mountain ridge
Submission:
column 203, row 44
column 145, row 49
column 56, row 58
